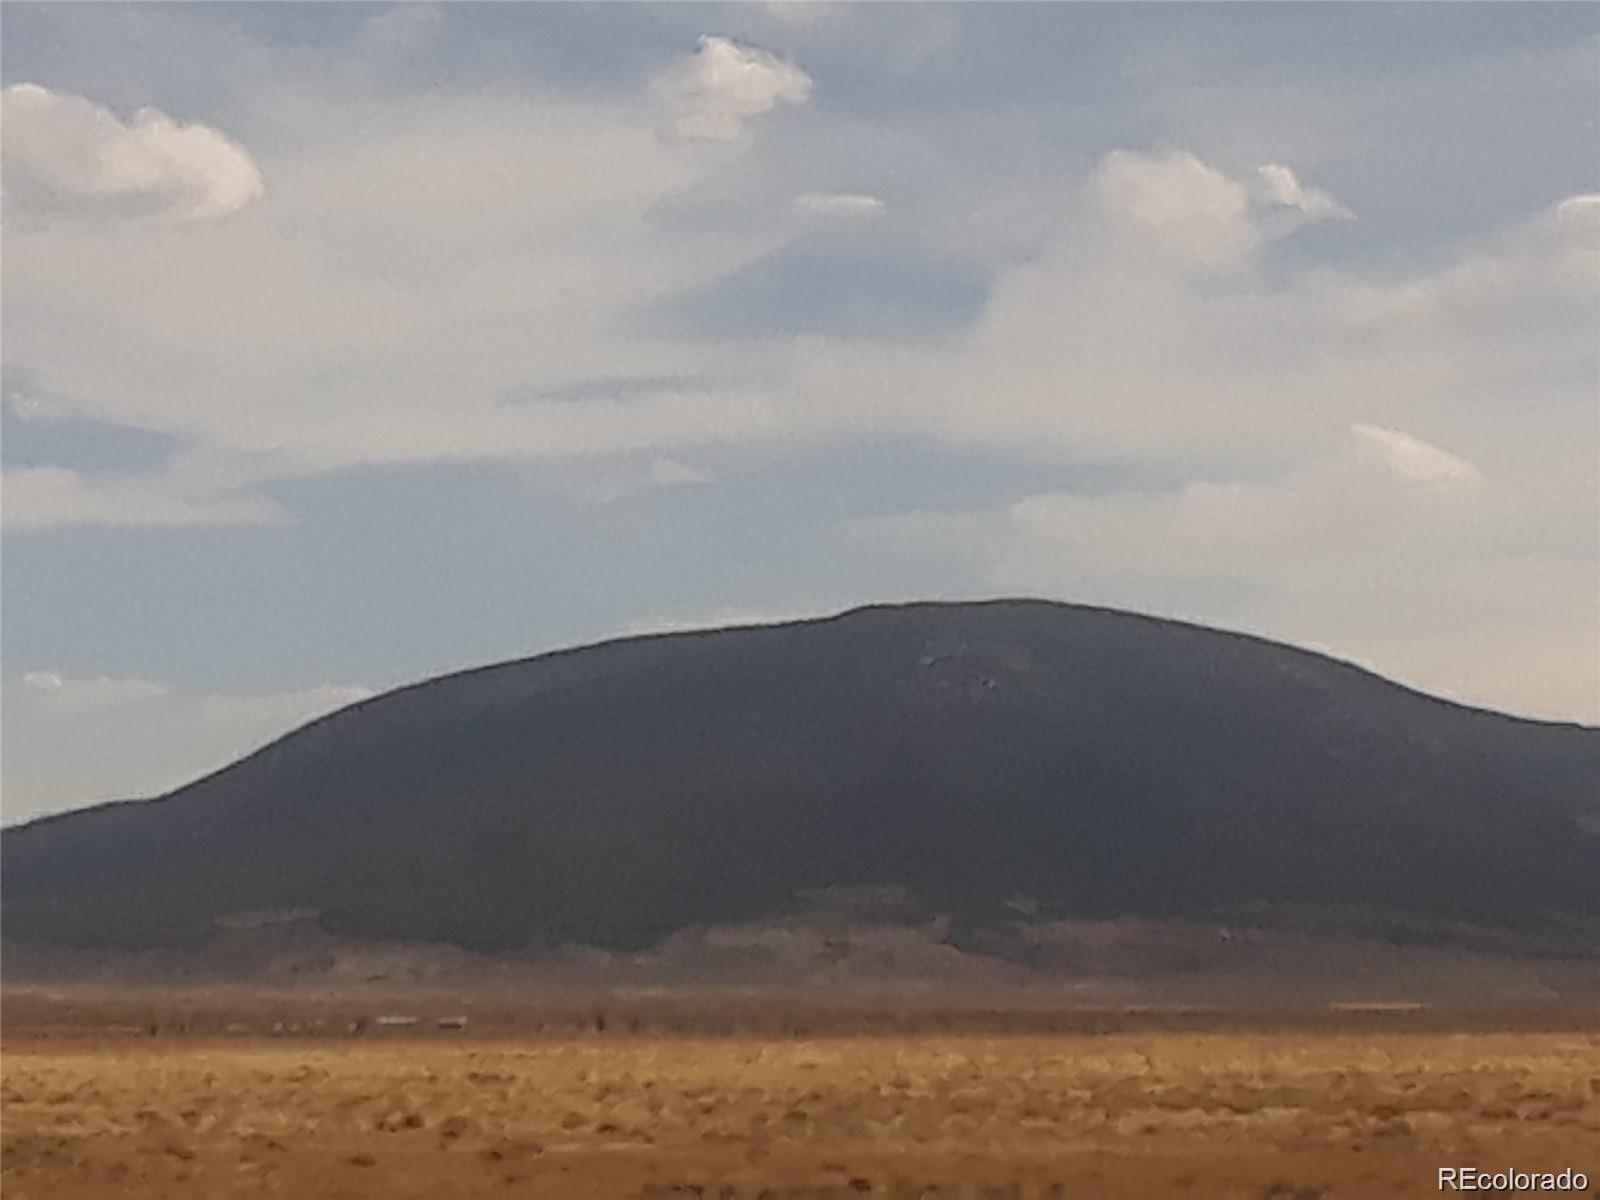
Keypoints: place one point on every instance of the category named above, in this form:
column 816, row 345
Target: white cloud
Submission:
column 47, row 497
column 1278, row 186
column 1580, row 209
column 63, row 152
column 463, row 253
column 839, row 204
column 1118, row 343
column 1181, row 203
column 396, row 331
column 725, row 84
column 1412, row 458
column 1200, row 213
column 68, row 695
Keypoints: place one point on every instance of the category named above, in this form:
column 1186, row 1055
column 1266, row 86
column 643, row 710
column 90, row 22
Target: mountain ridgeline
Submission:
column 1094, row 762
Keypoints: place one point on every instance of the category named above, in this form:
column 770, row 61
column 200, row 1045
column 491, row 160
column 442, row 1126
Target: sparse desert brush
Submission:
column 597, row 1118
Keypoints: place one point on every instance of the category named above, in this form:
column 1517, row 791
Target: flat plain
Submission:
column 1333, row 1109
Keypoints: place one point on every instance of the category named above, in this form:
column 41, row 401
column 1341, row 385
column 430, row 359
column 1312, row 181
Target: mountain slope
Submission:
column 1094, row 761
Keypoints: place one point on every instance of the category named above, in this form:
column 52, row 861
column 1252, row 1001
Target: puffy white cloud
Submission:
column 725, row 84
column 839, row 204
column 1278, row 186
column 370, row 292
column 1116, row 344
column 65, row 153
column 44, row 497
column 1200, row 213
column 1183, row 204
column 1581, row 209
column 1412, row 458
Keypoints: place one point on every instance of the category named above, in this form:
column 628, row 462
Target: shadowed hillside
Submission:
column 1086, row 761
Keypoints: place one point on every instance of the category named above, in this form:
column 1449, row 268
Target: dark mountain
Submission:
column 1092, row 761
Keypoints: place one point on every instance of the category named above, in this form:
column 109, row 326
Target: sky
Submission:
column 346, row 345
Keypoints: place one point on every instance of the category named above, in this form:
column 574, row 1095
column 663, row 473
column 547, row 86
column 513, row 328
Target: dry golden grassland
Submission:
column 1282, row 1115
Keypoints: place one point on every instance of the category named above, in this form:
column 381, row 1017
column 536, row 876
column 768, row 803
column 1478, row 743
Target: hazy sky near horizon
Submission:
column 349, row 344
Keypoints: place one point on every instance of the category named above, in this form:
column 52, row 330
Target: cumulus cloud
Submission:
column 64, row 153
column 45, row 497
column 839, row 204
column 726, row 84
column 369, row 294
column 1200, row 213
column 1582, row 209
column 1412, row 458
column 1118, row 341
column 1184, row 205
column 1278, row 186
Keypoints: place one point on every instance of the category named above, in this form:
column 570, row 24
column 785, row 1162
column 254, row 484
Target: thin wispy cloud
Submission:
column 839, row 204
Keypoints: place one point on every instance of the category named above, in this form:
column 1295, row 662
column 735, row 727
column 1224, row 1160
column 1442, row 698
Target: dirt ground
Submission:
column 1290, row 1114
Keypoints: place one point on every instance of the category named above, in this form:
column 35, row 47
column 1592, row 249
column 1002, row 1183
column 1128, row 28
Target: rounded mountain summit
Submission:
column 1092, row 761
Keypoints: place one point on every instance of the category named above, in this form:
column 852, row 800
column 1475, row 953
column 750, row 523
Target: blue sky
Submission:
column 349, row 344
